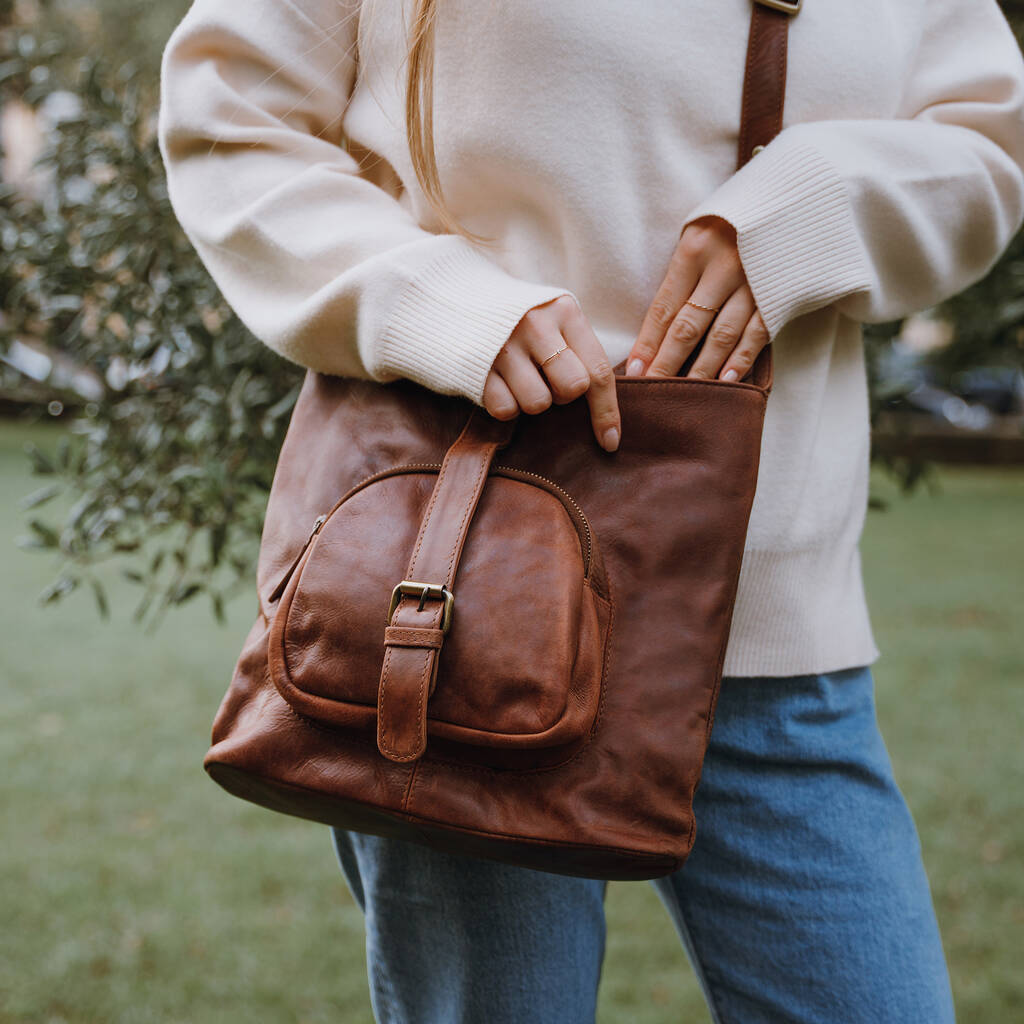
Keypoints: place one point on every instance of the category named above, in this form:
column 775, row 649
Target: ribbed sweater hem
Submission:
column 779, row 630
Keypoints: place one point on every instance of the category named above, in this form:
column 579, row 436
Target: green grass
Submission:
column 134, row 890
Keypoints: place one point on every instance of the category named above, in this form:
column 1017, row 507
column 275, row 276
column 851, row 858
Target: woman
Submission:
column 503, row 200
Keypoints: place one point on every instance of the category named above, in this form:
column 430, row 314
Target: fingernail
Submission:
column 611, row 439
column 730, row 374
column 635, row 368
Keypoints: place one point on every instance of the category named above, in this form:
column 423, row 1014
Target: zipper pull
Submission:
column 279, row 589
column 317, row 523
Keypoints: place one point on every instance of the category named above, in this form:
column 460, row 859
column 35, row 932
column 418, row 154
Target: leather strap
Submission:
column 764, row 82
column 414, row 635
column 764, row 95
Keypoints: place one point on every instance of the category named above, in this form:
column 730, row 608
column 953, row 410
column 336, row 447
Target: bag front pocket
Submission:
column 520, row 670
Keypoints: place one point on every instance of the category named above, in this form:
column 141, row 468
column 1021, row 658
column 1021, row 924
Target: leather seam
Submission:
column 430, row 508
column 409, row 786
column 468, row 511
column 446, row 463
column 382, row 718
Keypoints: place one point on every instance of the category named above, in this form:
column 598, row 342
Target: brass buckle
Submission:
column 789, row 6
column 437, row 591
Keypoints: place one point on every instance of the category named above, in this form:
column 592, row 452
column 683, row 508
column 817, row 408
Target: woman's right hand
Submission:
column 557, row 335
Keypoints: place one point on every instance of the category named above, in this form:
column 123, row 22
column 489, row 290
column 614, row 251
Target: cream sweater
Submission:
column 583, row 135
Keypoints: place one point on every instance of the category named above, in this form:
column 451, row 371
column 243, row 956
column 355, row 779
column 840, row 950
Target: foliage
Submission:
column 908, row 471
column 181, row 447
column 116, row 28
column 989, row 319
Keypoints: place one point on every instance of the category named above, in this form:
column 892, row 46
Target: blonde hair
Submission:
column 419, row 117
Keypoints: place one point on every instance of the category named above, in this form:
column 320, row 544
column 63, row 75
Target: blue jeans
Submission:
column 804, row 898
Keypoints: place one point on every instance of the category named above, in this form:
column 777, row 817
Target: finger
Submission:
column 682, row 337
column 523, row 379
column 681, row 277
column 724, row 335
column 755, row 338
column 602, row 397
column 567, row 376
column 498, row 399
column 723, row 276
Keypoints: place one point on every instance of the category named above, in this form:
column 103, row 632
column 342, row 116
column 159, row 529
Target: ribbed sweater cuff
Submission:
column 451, row 320
column 795, row 230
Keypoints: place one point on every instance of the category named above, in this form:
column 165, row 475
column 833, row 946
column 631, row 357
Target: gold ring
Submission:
column 553, row 354
column 710, row 309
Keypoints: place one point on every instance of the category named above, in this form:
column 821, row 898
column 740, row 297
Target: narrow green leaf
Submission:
column 38, row 497
column 41, row 462
column 183, row 594
column 218, row 535
column 64, row 584
column 47, row 534
column 101, row 598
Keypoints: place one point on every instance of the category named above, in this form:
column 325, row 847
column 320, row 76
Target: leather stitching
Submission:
column 385, row 676
column 470, row 508
column 382, row 715
column 411, row 636
column 433, row 496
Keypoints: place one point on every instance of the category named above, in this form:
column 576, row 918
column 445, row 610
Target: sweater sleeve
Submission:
column 886, row 217
column 327, row 268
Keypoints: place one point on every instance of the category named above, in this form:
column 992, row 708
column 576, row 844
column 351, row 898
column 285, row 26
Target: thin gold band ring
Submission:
column 553, row 354
column 710, row 309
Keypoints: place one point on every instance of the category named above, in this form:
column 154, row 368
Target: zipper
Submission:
column 317, row 523
column 279, row 589
column 508, row 471
column 580, row 515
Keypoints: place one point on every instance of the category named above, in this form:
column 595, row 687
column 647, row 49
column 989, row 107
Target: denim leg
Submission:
column 457, row 940
column 805, row 898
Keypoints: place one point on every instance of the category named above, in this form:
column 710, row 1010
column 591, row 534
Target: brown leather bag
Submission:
column 497, row 638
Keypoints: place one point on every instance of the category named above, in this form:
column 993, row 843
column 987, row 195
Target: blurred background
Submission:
column 139, row 427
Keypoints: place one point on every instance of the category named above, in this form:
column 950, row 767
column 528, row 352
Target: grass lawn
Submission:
column 134, row 890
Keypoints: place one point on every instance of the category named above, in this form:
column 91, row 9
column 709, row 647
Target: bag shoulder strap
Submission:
column 764, row 81
column 764, row 96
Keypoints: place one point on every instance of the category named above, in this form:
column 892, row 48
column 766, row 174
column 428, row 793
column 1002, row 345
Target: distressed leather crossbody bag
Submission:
column 469, row 633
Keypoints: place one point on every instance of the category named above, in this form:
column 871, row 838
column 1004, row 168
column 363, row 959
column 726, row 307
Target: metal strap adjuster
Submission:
column 788, row 6
column 436, row 591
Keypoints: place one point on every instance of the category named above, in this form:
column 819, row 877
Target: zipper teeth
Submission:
column 536, row 476
column 566, row 495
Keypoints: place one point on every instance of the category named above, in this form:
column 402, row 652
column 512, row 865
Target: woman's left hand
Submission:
column 704, row 269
